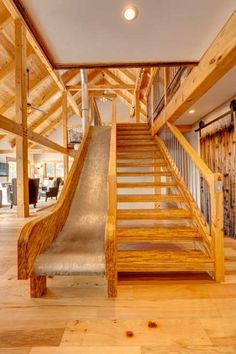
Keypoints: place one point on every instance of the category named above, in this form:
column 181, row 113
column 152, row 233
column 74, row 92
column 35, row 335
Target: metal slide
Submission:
column 79, row 248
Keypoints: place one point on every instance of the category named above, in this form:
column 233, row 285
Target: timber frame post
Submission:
column 114, row 110
column 21, row 119
column 65, row 132
column 217, row 227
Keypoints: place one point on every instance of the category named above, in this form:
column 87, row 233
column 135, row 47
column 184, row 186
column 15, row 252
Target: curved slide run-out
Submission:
column 79, row 248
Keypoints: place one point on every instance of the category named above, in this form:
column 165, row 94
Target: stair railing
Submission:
column 37, row 235
column 111, row 245
column 203, row 189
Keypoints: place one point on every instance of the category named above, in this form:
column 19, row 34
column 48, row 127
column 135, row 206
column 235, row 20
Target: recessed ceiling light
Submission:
column 130, row 13
column 191, row 111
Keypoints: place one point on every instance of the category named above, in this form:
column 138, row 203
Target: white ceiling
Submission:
column 92, row 31
column 222, row 91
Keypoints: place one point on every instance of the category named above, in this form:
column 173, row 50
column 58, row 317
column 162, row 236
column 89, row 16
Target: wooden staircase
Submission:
column 156, row 229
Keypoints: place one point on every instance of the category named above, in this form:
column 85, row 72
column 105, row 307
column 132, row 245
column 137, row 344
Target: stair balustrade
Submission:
column 201, row 185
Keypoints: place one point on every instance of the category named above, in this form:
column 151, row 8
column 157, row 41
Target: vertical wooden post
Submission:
column 137, row 107
column 92, row 113
column 152, row 107
column 114, row 111
column 217, row 228
column 165, row 85
column 21, row 118
column 65, row 132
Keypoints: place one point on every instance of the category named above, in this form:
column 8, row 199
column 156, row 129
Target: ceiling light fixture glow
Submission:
column 191, row 111
column 130, row 13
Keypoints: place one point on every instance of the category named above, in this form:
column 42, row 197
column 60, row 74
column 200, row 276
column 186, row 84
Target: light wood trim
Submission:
column 154, row 72
column 37, row 235
column 17, row 129
column 120, row 65
column 95, row 106
column 215, row 63
column 185, row 128
column 21, row 120
column 217, row 227
column 65, row 132
column 111, row 245
column 114, row 111
column 201, row 165
column 101, row 87
column 166, row 72
column 16, row 14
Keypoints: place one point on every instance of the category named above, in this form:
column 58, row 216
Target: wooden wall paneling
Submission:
column 217, row 145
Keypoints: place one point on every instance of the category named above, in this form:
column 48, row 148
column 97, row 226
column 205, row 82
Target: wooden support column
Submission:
column 114, row 111
column 92, row 109
column 166, row 72
column 137, row 107
column 152, row 107
column 65, row 132
column 21, row 118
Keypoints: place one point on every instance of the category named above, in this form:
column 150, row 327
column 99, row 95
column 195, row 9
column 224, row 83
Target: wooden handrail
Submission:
column 37, row 235
column 201, row 165
column 111, row 268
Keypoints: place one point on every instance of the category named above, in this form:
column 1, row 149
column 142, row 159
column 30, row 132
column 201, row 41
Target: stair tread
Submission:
column 152, row 231
column 149, row 198
column 137, row 148
column 157, row 234
column 135, row 137
column 145, row 184
column 121, row 142
column 158, row 163
column 133, row 156
column 133, row 133
column 144, row 173
column 175, row 213
column 163, row 260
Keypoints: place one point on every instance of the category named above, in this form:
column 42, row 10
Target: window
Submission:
column 50, row 169
column 12, row 170
column 54, row 169
column 59, row 169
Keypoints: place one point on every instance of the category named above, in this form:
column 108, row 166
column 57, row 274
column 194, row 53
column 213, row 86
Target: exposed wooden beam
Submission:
column 101, row 87
column 128, row 74
column 166, row 72
column 138, row 82
column 5, row 19
column 65, row 132
column 12, row 127
column 21, row 120
column 185, row 128
column 152, row 78
column 115, row 65
column 13, row 9
column 215, row 63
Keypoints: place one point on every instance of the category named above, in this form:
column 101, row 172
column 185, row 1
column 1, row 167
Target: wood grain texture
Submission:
column 37, row 235
column 186, row 309
column 38, row 286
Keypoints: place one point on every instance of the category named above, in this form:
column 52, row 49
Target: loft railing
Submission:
column 38, row 235
column 111, row 251
column 195, row 175
column 164, row 88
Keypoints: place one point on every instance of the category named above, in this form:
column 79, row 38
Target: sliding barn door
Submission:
column 218, row 148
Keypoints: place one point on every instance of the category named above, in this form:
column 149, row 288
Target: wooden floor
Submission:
column 76, row 317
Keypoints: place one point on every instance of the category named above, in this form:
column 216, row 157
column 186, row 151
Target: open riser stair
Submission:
column 156, row 229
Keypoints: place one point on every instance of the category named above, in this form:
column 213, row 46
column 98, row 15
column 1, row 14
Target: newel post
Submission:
column 217, row 228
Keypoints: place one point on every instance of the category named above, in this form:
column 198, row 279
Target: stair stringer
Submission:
column 198, row 218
